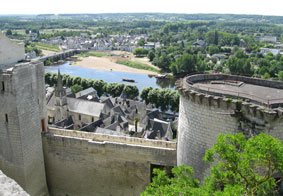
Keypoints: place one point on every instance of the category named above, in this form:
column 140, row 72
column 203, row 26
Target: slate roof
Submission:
column 85, row 107
column 160, row 129
column 113, row 126
column 108, row 102
column 124, row 95
column 119, row 110
column 65, row 122
column 92, row 126
column 88, row 91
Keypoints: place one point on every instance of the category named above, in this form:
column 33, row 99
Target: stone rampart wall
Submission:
column 80, row 164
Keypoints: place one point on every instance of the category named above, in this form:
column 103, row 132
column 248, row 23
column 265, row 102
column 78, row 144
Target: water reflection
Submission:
column 142, row 80
column 166, row 82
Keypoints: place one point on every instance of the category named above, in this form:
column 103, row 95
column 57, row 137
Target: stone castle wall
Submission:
column 21, row 113
column 10, row 52
column 80, row 163
column 202, row 117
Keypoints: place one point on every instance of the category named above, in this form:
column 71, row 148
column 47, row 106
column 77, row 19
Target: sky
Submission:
column 259, row 7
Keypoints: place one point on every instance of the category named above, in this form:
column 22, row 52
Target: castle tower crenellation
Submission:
column 213, row 104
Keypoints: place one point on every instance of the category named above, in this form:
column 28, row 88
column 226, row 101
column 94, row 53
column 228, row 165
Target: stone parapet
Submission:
column 112, row 138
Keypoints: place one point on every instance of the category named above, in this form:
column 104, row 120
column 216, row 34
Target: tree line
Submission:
column 163, row 99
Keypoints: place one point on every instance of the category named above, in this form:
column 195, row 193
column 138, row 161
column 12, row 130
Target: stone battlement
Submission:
column 225, row 100
column 112, row 138
column 222, row 104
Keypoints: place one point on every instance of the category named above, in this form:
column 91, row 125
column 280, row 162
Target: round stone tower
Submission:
column 211, row 104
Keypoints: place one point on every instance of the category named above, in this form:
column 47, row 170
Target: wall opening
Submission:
column 6, row 118
column 3, row 86
column 80, row 117
column 92, row 119
column 42, row 125
column 168, row 170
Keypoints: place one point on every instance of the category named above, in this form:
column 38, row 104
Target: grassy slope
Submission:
column 137, row 65
column 49, row 47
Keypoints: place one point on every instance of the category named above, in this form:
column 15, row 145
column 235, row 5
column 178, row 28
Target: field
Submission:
column 97, row 54
column 48, row 47
column 137, row 65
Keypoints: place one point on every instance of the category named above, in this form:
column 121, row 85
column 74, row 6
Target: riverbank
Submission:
column 108, row 63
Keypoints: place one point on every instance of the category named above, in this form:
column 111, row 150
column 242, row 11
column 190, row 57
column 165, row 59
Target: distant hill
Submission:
column 176, row 17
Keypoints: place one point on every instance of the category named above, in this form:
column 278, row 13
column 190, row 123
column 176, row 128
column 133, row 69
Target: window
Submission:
column 6, row 118
column 80, row 117
column 92, row 119
column 3, row 86
column 42, row 125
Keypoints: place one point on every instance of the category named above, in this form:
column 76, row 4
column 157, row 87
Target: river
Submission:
column 142, row 80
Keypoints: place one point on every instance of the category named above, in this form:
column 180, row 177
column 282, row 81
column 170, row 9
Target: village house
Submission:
column 199, row 43
column 85, row 111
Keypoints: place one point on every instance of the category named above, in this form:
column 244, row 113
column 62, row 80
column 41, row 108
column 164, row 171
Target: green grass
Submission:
column 97, row 54
column 49, row 47
column 18, row 41
column 137, row 65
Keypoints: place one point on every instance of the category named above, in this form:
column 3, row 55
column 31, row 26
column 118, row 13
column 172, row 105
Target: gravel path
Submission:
column 9, row 187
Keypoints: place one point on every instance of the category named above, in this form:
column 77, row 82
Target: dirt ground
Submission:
column 47, row 52
column 109, row 63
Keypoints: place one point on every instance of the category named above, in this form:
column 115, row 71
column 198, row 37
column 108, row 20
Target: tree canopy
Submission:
column 245, row 167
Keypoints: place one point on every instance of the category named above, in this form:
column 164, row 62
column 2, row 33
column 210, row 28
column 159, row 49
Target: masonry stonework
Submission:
column 10, row 52
column 202, row 116
column 22, row 118
column 103, row 165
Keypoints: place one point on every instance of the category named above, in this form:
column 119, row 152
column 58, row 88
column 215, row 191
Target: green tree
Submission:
column 48, row 62
column 47, row 77
column 76, row 88
column 131, row 91
column 151, row 55
column 154, row 97
column 9, row 32
column 144, row 94
column 85, row 83
column 213, row 49
column 280, row 75
column 140, row 52
column 245, row 167
column 174, row 101
column 99, row 86
column 266, row 75
column 114, row 89
column 187, row 63
column 141, row 42
column 238, row 65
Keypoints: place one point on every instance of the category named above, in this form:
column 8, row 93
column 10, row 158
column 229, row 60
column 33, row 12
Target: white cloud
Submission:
column 272, row 7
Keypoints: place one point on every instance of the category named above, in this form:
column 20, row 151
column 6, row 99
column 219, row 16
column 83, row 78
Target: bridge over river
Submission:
column 57, row 56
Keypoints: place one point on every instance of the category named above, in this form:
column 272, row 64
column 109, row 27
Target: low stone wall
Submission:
column 79, row 163
column 255, row 81
column 113, row 138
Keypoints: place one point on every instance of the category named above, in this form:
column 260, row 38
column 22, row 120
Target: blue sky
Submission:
column 260, row 7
